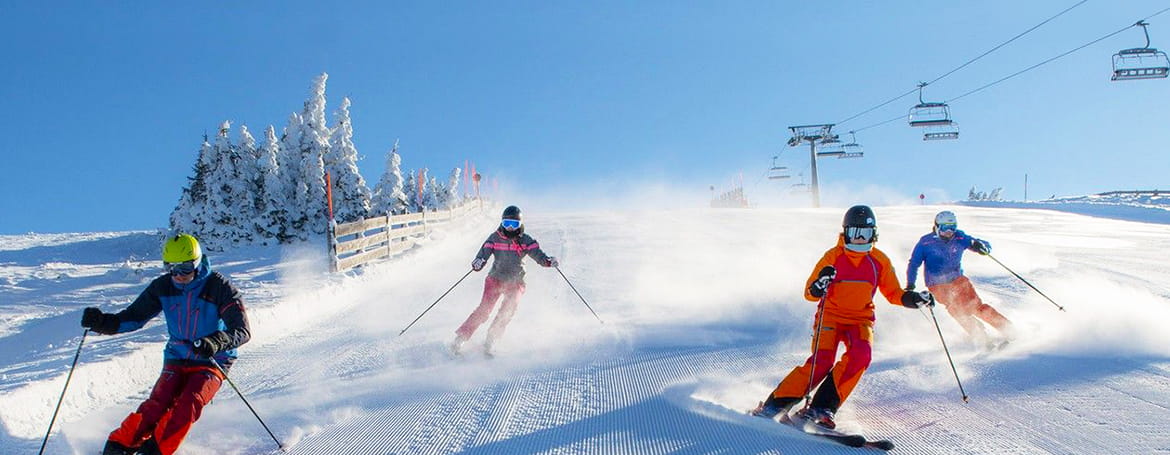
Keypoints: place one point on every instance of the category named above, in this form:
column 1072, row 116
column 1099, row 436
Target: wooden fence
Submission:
column 359, row 242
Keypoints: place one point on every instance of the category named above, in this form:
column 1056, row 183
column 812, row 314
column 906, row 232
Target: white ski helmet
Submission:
column 948, row 218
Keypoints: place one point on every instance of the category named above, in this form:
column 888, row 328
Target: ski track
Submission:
column 623, row 387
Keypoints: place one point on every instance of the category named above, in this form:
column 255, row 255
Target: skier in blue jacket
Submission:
column 205, row 319
column 941, row 252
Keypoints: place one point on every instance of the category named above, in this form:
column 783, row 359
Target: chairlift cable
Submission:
column 1090, row 43
column 899, row 117
column 948, row 73
column 1005, row 43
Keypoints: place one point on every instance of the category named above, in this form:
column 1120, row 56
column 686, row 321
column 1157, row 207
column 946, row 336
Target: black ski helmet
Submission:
column 511, row 213
column 859, row 216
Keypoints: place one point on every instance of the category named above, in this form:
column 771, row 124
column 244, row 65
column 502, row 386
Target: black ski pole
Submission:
column 579, row 295
column 436, row 302
column 245, row 400
column 1025, row 281
column 948, row 351
column 63, row 389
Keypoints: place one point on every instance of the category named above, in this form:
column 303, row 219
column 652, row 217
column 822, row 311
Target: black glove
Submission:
column 909, row 287
column 552, row 262
column 917, row 299
column 93, row 319
column 820, row 286
column 981, row 247
column 478, row 264
column 210, row 345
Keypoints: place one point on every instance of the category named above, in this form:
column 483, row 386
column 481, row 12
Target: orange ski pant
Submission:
column 174, row 405
column 858, row 341
column 968, row 309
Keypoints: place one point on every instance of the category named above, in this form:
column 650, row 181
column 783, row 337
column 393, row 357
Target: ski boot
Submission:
column 456, row 346
column 821, row 417
column 773, row 406
column 114, row 448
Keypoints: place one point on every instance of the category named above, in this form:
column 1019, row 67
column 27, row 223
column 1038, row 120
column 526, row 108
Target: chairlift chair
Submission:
column 1140, row 62
column 848, row 155
column 941, row 132
column 851, row 147
column 926, row 114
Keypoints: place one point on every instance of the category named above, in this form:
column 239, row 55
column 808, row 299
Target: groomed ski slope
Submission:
column 703, row 315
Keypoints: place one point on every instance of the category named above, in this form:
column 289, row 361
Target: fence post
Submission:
column 333, row 262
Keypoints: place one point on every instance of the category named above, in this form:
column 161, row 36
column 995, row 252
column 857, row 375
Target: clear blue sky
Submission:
column 105, row 103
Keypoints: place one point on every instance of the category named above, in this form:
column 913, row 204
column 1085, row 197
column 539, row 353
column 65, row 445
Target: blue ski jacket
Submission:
column 207, row 306
column 942, row 258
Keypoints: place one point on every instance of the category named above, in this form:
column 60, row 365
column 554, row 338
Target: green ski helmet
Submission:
column 181, row 248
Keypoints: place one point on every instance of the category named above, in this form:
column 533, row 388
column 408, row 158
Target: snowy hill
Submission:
column 1151, row 206
column 703, row 315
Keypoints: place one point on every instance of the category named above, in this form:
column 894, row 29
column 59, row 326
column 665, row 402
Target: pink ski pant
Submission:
column 492, row 290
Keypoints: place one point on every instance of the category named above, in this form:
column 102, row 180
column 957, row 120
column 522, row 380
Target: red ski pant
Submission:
column 858, row 341
column 493, row 289
column 968, row 309
column 174, row 405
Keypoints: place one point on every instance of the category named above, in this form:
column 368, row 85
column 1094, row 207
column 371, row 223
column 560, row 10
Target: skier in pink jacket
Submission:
column 509, row 244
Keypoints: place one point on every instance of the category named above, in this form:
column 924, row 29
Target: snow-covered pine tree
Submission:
column 313, row 147
column 229, row 203
column 187, row 217
column 434, row 195
column 388, row 194
column 288, row 162
column 452, row 197
column 270, row 205
column 351, row 196
column 410, row 188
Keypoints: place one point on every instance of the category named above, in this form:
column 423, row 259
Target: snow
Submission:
column 703, row 316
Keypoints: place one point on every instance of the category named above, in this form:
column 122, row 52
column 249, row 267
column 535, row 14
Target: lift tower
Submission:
column 813, row 134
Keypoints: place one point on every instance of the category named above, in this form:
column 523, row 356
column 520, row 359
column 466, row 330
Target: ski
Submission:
column 851, row 440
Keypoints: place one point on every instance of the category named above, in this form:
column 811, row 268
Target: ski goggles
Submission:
column 181, row 268
column 948, row 227
column 866, row 234
column 510, row 224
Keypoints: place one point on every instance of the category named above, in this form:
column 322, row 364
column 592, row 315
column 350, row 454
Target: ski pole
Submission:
column 245, row 400
column 948, row 351
column 63, row 389
column 579, row 295
column 436, row 302
column 816, row 347
column 1025, row 281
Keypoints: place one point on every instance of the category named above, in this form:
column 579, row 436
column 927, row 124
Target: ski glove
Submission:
column 820, row 286
column 919, row 299
column 909, row 287
column 981, row 247
column 551, row 262
column 478, row 264
column 211, row 344
column 93, row 319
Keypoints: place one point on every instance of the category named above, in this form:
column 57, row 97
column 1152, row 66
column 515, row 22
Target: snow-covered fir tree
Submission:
column 289, row 164
column 229, row 202
column 270, row 205
column 351, row 196
column 451, row 198
column 434, row 195
column 410, row 188
column 187, row 217
column 389, row 196
column 313, row 146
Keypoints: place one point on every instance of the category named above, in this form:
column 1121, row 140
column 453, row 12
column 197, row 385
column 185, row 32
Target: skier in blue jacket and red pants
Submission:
column 941, row 252
column 205, row 319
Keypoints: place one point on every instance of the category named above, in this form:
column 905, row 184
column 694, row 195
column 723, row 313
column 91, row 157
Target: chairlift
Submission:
column 848, row 155
column 777, row 171
column 1140, row 62
column 852, row 146
column 929, row 114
